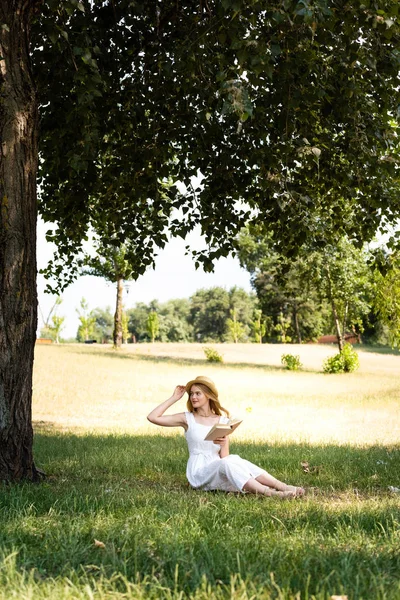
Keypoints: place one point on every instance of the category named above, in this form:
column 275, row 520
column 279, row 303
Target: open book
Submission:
column 222, row 429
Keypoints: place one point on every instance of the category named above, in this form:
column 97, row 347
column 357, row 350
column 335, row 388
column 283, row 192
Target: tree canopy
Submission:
column 288, row 111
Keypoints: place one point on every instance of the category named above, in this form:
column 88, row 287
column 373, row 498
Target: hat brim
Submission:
column 201, row 381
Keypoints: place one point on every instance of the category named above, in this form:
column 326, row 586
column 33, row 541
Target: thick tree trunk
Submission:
column 18, row 297
column 118, row 314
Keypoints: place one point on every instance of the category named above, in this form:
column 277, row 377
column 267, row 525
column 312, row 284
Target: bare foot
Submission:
column 298, row 491
column 287, row 494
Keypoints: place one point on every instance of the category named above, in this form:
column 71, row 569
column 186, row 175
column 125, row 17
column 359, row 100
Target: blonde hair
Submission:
column 215, row 404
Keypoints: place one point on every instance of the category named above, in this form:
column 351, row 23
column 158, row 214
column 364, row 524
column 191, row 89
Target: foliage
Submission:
column 137, row 320
column 111, row 263
column 292, row 110
column 387, row 299
column 243, row 305
column 343, row 278
column 235, row 327
column 332, row 284
column 284, row 289
column 210, row 310
column 87, row 321
column 212, row 355
column 282, row 328
column 208, row 314
column 124, row 327
column 104, row 324
column 334, row 364
column 173, row 317
column 57, row 326
column 153, row 325
column 291, row 362
column 259, row 326
column 174, row 321
column 53, row 324
column 203, row 317
column 345, row 361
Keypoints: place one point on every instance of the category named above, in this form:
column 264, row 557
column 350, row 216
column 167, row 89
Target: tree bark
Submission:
column 118, row 314
column 18, row 296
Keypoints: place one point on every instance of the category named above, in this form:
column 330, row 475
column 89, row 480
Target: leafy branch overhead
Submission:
column 288, row 111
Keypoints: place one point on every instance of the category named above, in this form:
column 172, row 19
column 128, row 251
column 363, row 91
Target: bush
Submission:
column 291, row 362
column 344, row 362
column 213, row 355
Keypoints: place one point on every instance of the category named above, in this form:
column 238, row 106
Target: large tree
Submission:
column 289, row 107
column 343, row 277
column 18, row 299
column 209, row 312
column 283, row 286
column 299, row 291
column 214, row 312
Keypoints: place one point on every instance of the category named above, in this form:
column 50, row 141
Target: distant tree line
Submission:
column 322, row 290
column 217, row 315
column 209, row 315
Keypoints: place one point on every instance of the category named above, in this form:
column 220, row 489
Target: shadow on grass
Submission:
column 130, row 492
column 155, row 459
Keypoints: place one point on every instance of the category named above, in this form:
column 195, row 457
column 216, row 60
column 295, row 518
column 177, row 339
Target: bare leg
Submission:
column 255, row 487
column 272, row 482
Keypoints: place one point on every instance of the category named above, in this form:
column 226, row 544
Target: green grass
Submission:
column 114, row 478
column 164, row 540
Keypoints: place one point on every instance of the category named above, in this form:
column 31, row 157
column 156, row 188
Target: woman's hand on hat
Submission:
column 178, row 392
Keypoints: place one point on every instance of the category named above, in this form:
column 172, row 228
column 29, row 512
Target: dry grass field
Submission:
column 88, row 388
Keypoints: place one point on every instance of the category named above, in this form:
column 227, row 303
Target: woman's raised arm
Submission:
column 157, row 415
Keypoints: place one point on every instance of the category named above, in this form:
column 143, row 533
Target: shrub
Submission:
column 344, row 362
column 333, row 364
column 291, row 362
column 213, row 355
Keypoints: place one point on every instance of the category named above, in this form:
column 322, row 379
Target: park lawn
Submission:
column 115, row 479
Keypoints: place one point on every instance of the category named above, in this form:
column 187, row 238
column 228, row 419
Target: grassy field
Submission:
column 114, row 478
column 97, row 388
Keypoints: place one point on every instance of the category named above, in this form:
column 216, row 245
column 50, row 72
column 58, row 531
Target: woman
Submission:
column 210, row 466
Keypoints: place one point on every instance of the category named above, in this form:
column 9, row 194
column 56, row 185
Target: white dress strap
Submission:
column 189, row 418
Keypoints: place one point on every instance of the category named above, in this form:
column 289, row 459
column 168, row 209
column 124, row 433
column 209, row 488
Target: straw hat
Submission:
column 205, row 381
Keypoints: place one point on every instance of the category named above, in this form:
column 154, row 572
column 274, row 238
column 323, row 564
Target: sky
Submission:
column 174, row 276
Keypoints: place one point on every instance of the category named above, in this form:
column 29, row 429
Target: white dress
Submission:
column 206, row 470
